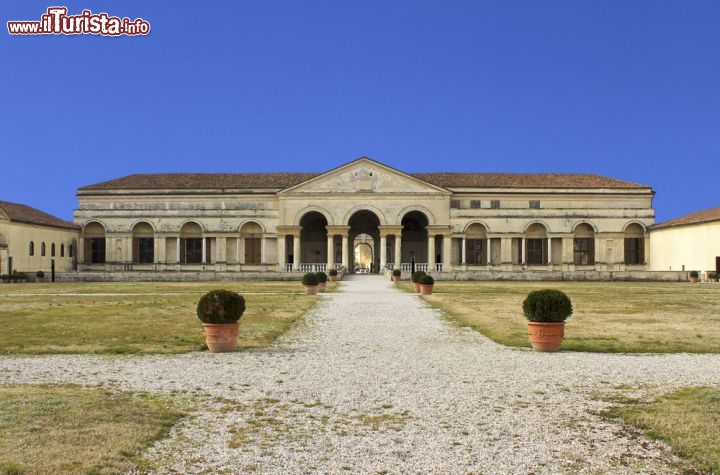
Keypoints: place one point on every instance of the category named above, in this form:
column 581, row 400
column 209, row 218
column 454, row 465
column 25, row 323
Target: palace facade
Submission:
column 364, row 216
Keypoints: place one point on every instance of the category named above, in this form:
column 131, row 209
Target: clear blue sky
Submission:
column 628, row 89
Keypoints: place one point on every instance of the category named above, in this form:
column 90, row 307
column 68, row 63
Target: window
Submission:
column 495, row 204
column 252, row 250
column 62, row 250
column 52, row 249
column 31, row 251
column 584, row 251
column 455, row 203
column 42, row 249
column 192, row 251
column 145, row 250
column 71, row 250
column 475, row 251
column 536, row 250
column 534, row 204
column 97, row 250
column 475, row 204
column 634, row 251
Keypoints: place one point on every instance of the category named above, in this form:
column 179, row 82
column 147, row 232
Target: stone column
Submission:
column 383, row 251
column 345, row 256
column 447, row 252
column 330, row 251
column 204, row 250
column 488, row 252
column 431, row 252
column 463, row 251
column 398, row 250
column 281, row 252
column 296, row 252
column 522, row 256
column 506, row 250
column 567, row 250
column 263, row 260
column 177, row 251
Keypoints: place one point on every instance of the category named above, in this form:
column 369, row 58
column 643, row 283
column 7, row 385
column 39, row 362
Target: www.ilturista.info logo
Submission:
column 57, row 22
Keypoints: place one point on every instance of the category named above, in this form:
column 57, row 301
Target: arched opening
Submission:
column 414, row 237
column 313, row 238
column 584, row 245
column 536, row 244
column 143, row 242
column 365, row 237
column 251, row 243
column 31, row 249
column 191, row 244
column 634, row 244
column 476, row 245
column 94, row 243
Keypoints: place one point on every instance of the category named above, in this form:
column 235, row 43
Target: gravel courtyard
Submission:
column 375, row 381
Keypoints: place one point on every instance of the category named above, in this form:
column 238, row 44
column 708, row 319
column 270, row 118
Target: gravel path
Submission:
column 375, row 381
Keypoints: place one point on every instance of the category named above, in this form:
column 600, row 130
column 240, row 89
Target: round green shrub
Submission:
column 40, row 274
column 694, row 273
column 220, row 306
column 547, row 305
column 310, row 279
column 426, row 280
column 333, row 272
column 322, row 277
column 416, row 276
column 396, row 272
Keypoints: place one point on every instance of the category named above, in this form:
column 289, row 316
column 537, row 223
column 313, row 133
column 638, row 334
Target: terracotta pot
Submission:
column 221, row 337
column 311, row 289
column 39, row 280
column 426, row 289
column 322, row 286
column 693, row 280
column 546, row 336
column 396, row 278
column 333, row 278
column 417, row 287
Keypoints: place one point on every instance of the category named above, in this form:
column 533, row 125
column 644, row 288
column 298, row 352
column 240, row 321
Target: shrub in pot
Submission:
column 415, row 278
column 322, row 281
column 694, row 276
column 4, row 278
column 220, row 310
column 426, row 284
column 333, row 274
column 546, row 311
column 39, row 276
column 396, row 275
column 311, row 282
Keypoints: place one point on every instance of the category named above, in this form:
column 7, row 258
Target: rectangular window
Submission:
column 192, row 250
column 252, row 251
column 584, row 251
column 534, row 204
column 634, row 251
column 455, row 204
column 144, row 250
column 536, row 250
column 475, row 251
column 97, row 251
column 495, row 204
column 475, row 204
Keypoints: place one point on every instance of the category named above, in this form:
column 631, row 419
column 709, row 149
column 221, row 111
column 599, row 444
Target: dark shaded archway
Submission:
column 365, row 222
column 313, row 238
column 414, row 237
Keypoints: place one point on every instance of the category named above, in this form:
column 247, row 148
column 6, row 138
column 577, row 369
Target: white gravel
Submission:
column 375, row 381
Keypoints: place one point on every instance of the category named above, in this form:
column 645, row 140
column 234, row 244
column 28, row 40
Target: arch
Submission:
column 42, row 249
column 191, row 227
column 586, row 223
column 414, row 240
column 420, row 209
column 584, row 229
column 584, row 244
column 369, row 208
column 365, row 232
column 142, row 227
column 476, row 244
column 31, row 249
column 52, row 249
column 313, row 237
column 635, row 227
column 251, row 226
column 313, row 209
column 536, row 229
column 634, row 243
column 94, row 242
column 251, row 240
column 536, row 243
column 62, row 250
column 143, row 243
column 94, row 228
column 472, row 228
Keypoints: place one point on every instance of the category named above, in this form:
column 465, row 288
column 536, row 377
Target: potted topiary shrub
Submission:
column 322, row 281
column 694, row 277
column 396, row 275
column 310, row 281
column 220, row 310
column 4, row 278
column 40, row 276
column 426, row 284
column 546, row 311
column 415, row 278
column 333, row 275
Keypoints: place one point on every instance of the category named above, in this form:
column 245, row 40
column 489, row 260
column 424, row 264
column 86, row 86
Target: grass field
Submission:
column 608, row 316
column 136, row 317
column 70, row 429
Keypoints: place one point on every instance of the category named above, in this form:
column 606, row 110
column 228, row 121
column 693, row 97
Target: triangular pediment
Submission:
column 364, row 175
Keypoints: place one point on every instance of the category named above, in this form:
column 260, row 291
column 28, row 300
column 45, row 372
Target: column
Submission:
column 296, row 252
column 383, row 251
column 177, row 251
column 488, row 252
column 522, row 256
column 398, row 255
column 431, row 252
column 345, row 239
column 463, row 251
column 506, row 250
column 221, row 250
column 281, row 252
column 567, row 250
column 262, row 250
column 204, row 250
column 330, row 251
column 447, row 252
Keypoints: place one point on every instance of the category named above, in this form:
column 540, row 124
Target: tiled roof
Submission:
column 698, row 217
column 25, row 214
column 279, row 181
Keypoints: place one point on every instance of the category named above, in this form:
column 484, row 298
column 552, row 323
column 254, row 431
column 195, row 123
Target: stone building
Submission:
column 294, row 222
column 690, row 242
column 31, row 240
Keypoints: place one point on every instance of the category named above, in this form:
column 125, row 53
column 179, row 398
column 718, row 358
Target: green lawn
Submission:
column 136, row 317
column 608, row 316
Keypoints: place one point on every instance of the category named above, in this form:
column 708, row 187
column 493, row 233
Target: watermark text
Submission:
column 57, row 22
